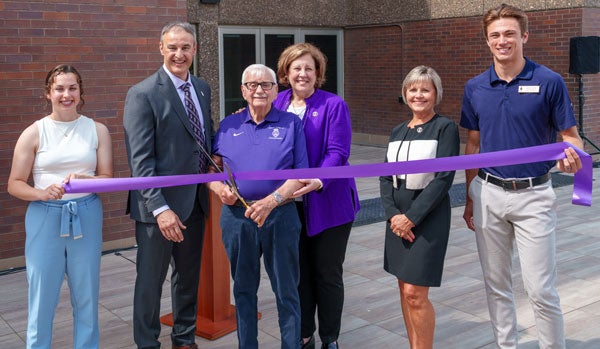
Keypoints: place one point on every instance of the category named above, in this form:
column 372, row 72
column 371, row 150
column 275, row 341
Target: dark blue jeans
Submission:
column 277, row 242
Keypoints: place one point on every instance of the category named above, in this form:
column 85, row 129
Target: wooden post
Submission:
column 216, row 314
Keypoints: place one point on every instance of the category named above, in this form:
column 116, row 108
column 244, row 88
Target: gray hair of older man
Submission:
column 258, row 69
column 185, row 26
column 423, row 73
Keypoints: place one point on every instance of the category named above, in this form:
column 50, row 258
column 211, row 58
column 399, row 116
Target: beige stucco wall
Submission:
column 341, row 13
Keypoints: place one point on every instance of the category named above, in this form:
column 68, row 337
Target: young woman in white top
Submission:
column 63, row 231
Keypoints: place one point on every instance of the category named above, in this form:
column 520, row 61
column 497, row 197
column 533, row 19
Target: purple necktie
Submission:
column 192, row 112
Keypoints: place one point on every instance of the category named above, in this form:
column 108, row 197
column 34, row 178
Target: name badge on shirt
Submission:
column 529, row 89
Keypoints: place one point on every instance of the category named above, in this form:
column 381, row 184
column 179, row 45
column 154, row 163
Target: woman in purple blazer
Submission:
column 329, row 207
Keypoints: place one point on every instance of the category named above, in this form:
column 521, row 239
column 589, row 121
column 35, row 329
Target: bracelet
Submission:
column 278, row 198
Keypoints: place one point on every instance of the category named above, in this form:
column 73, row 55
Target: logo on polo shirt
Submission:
column 275, row 134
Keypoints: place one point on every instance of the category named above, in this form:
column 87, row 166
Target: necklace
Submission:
column 65, row 127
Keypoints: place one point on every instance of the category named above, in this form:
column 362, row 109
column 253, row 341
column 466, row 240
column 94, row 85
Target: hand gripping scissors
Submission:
column 231, row 181
column 234, row 186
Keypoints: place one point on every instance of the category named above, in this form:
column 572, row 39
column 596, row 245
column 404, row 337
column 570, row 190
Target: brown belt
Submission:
column 514, row 184
column 239, row 203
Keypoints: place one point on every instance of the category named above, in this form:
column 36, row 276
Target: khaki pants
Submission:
column 527, row 217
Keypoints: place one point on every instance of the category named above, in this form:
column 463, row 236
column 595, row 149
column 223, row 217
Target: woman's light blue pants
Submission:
column 63, row 238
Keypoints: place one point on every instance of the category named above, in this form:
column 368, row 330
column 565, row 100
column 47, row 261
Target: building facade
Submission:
column 370, row 46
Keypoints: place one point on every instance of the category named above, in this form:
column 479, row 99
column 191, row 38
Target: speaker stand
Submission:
column 581, row 103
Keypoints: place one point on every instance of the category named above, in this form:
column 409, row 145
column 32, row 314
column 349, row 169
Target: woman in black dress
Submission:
column 417, row 206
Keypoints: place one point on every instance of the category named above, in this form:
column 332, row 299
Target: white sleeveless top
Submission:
column 64, row 147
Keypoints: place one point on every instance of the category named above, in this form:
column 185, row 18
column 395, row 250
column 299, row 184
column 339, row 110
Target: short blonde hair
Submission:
column 293, row 52
column 420, row 74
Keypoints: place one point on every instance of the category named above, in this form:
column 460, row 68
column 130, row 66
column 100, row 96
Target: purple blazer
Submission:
column 328, row 133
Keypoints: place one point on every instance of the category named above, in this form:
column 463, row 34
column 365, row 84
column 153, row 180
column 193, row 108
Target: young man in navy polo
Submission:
column 517, row 103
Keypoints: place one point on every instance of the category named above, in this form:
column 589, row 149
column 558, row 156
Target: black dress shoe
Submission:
column 332, row 345
column 310, row 344
column 188, row 346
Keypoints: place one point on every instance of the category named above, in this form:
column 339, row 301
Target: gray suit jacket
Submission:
column 160, row 142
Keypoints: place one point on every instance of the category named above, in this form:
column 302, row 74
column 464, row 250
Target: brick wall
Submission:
column 378, row 58
column 372, row 73
column 114, row 44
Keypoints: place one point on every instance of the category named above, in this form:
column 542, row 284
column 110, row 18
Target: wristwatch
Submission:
column 277, row 197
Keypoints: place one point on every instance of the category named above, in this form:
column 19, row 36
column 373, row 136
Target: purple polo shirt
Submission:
column 525, row 112
column 277, row 143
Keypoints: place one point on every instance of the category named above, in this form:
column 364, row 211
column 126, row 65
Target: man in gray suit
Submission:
column 167, row 120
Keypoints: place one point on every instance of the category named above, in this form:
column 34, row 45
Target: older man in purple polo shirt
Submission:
column 262, row 138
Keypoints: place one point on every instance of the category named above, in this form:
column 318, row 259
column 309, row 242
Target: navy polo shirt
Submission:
column 528, row 111
column 277, row 143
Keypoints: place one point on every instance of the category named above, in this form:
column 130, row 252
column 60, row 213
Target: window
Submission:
column 242, row 46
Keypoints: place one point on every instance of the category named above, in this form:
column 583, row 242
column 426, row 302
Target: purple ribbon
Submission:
column 582, row 184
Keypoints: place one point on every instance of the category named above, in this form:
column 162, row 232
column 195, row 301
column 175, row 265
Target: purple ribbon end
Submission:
column 583, row 180
column 67, row 187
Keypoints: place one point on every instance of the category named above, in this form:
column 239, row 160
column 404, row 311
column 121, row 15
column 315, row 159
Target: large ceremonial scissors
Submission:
column 231, row 181
column 234, row 186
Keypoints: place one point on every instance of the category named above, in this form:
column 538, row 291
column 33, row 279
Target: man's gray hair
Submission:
column 258, row 69
column 181, row 25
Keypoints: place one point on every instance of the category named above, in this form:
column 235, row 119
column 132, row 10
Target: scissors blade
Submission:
column 210, row 159
column 233, row 185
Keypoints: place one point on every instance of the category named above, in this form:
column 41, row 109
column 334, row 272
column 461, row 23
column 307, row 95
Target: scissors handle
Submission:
column 241, row 199
column 233, row 185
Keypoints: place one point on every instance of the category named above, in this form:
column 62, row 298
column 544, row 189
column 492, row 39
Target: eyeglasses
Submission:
column 253, row 85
